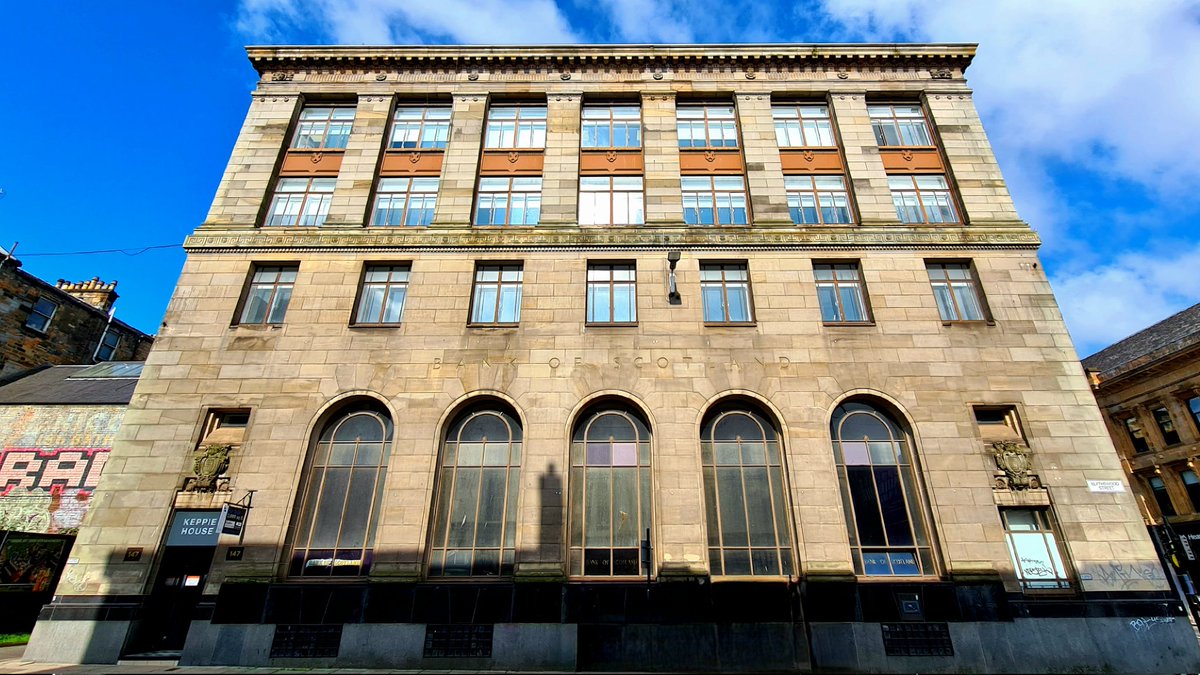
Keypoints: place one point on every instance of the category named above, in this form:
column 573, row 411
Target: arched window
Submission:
column 877, row 472
column 475, row 520
column 341, row 494
column 744, row 495
column 610, row 492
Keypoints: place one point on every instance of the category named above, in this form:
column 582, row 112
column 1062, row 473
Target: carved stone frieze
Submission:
column 1014, row 459
column 625, row 238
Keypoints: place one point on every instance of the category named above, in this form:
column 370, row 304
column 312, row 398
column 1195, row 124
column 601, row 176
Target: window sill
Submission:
column 730, row 324
column 969, row 322
column 257, row 326
column 718, row 148
column 37, row 331
column 403, row 151
column 376, row 326
column 492, row 325
column 847, row 324
column 609, row 324
column 314, row 151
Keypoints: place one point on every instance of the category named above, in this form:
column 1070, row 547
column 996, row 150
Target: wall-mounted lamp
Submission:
column 672, row 289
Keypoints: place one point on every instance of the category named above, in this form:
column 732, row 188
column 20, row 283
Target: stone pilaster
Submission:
column 981, row 188
column 868, row 179
column 360, row 162
column 560, row 173
column 460, row 164
column 259, row 149
column 764, row 170
column 660, row 139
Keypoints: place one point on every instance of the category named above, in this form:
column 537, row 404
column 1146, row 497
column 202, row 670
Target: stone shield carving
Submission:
column 208, row 464
column 1014, row 460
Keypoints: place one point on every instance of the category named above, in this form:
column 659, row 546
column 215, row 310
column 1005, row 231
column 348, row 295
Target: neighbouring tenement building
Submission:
column 1148, row 386
column 57, row 426
column 616, row 358
column 66, row 323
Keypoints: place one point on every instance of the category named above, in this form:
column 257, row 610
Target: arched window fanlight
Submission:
column 877, row 473
column 475, row 517
column 342, row 491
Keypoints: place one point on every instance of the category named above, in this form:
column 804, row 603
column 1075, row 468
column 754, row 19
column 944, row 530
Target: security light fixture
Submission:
column 672, row 289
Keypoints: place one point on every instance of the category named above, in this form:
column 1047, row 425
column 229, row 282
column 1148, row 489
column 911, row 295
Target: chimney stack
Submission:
column 96, row 293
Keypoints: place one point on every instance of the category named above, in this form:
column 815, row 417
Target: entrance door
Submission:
column 172, row 601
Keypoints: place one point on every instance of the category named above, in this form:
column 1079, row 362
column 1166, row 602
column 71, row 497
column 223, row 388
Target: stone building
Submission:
column 1148, row 387
column 610, row 358
column 61, row 324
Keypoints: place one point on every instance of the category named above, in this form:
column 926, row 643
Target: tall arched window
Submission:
column 341, row 494
column 744, row 494
column 877, row 472
column 475, row 521
column 610, row 492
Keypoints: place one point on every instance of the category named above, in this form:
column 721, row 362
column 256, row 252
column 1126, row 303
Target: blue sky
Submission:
column 121, row 118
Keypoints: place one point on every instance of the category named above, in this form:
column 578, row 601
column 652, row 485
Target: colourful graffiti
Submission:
column 47, row 490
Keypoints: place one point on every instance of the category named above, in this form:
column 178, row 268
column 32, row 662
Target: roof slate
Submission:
column 1163, row 338
column 54, row 386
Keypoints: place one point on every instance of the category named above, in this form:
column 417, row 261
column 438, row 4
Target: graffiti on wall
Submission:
column 47, row 490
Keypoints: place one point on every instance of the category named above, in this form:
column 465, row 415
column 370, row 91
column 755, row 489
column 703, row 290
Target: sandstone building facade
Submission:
column 650, row 358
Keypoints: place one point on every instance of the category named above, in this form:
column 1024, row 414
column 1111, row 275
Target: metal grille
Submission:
column 917, row 639
column 297, row 641
column 459, row 640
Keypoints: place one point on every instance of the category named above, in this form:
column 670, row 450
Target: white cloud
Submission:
column 1105, row 304
column 408, row 21
column 649, row 21
column 1100, row 83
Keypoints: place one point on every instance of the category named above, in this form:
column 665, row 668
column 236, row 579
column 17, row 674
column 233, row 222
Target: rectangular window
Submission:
column 301, row 202
column 817, row 200
column 41, row 314
column 416, row 127
column 1194, row 408
column 108, row 344
column 497, row 296
column 381, row 300
column 714, row 200
column 706, row 126
column 1036, row 556
column 1192, row 484
column 998, row 424
column 323, row 128
column 516, row 126
column 841, row 293
column 611, row 126
column 957, row 291
column 405, row 201
column 1137, row 436
column 611, row 200
column 803, row 126
column 225, row 427
column 725, row 290
column 611, row 293
column 1161, row 496
column 922, row 199
column 269, row 293
column 899, row 125
column 509, row 201
column 1162, row 417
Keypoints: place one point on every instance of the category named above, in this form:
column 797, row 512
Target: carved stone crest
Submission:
column 941, row 73
column 1014, row 460
column 414, row 157
column 209, row 462
column 906, row 155
column 317, row 157
column 611, row 156
column 710, row 156
column 282, row 77
column 513, row 157
column 809, row 155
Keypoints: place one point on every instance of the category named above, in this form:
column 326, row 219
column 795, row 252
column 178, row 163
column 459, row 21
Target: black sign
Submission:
column 458, row 640
column 194, row 528
column 917, row 639
column 233, row 519
column 133, row 554
column 235, row 553
column 298, row 641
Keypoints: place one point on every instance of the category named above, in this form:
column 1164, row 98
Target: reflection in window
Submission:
column 381, row 300
column 324, row 128
column 301, row 202
column 1192, row 485
column 610, row 493
column 611, row 293
column 615, row 200
column 269, row 294
column 1194, row 408
column 108, row 344
column 1034, row 549
column 714, row 200
column 509, row 201
column 516, row 126
column 956, row 291
column 922, row 199
column 885, row 516
column 497, row 296
column 744, row 495
column 1161, row 496
column 725, row 291
column 1166, row 425
column 899, row 125
column 405, row 201
column 611, row 126
column 840, row 292
column 706, row 126
column 816, row 200
column 1137, row 435
column 802, row 126
column 416, row 127
column 475, row 517
column 335, row 531
column 41, row 314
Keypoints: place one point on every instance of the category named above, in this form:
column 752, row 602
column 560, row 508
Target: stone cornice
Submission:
column 273, row 59
column 379, row 239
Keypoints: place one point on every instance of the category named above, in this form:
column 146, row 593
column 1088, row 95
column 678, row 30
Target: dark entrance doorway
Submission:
column 182, row 574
